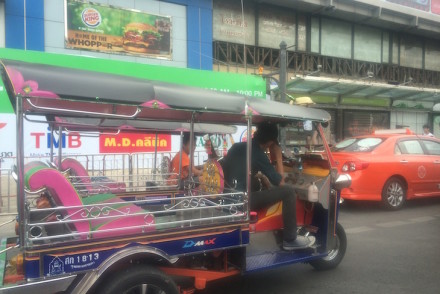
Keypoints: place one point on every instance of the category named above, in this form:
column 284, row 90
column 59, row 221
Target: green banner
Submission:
column 108, row 29
column 249, row 85
column 5, row 103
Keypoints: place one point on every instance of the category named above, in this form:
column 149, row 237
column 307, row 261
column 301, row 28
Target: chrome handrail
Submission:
column 84, row 112
column 9, row 248
column 36, row 192
column 7, row 222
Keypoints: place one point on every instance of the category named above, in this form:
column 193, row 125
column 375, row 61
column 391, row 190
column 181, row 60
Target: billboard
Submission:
column 109, row 29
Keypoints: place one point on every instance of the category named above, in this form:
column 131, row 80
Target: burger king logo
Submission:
column 91, row 17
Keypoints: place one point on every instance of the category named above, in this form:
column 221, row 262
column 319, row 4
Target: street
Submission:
column 388, row 252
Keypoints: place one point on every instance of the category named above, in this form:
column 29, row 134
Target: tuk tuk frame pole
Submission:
column 130, row 171
column 60, row 146
column 248, row 157
column 191, row 146
column 20, row 171
column 154, row 170
column 51, row 144
column 180, row 159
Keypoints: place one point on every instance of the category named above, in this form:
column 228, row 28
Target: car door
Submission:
column 432, row 149
column 415, row 166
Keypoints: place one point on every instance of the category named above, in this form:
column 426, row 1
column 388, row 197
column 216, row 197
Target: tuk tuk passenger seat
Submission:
column 86, row 220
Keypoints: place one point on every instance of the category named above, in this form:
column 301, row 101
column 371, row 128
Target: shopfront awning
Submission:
column 341, row 89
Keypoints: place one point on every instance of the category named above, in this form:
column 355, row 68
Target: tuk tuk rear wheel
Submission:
column 335, row 254
column 138, row 279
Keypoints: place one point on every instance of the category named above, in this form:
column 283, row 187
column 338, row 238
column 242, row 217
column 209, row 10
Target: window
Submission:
column 358, row 145
column 410, row 147
column 397, row 150
column 432, row 147
column 357, row 123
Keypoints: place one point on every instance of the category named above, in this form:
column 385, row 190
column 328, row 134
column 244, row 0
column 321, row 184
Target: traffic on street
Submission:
column 390, row 252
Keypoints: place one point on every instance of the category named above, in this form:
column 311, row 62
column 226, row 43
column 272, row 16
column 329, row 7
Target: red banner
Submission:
column 133, row 142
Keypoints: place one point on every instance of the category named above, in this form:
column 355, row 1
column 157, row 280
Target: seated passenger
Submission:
column 185, row 161
column 234, row 167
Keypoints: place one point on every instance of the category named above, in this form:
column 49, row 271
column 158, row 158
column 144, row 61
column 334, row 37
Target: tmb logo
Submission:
column 191, row 243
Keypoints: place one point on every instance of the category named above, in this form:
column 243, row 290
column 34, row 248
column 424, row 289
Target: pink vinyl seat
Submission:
column 97, row 216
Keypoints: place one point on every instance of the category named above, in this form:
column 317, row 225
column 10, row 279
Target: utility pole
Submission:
column 283, row 71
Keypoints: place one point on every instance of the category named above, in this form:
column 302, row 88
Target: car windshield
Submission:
column 357, row 145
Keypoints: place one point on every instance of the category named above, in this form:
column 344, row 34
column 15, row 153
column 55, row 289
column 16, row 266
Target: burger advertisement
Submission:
column 116, row 30
column 141, row 38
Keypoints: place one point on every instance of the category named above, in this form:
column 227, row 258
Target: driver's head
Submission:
column 186, row 141
column 266, row 134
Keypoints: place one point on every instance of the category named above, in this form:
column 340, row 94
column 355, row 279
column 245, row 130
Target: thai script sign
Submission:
column 230, row 24
column 115, row 30
column 274, row 26
column 134, row 142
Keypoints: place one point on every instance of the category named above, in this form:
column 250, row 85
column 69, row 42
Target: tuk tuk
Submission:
column 82, row 234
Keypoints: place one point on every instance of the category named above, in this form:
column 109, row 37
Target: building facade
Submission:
column 169, row 41
column 370, row 63
column 41, row 25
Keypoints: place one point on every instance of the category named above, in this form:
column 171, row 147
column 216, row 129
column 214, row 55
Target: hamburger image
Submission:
column 140, row 37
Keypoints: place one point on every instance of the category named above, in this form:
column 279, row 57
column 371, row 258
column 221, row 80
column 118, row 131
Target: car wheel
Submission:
column 335, row 254
column 138, row 279
column 394, row 194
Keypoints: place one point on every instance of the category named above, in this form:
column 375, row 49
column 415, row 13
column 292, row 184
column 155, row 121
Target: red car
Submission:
column 390, row 166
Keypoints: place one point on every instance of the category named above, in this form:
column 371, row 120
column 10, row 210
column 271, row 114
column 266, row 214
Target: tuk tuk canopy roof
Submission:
column 66, row 92
column 113, row 125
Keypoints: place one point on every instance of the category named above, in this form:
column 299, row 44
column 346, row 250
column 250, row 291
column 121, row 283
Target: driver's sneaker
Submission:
column 300, row 242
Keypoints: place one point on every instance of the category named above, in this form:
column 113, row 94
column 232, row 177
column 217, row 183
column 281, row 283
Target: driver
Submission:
column 234, row 167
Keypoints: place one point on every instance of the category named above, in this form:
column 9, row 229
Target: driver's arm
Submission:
column 277, row 156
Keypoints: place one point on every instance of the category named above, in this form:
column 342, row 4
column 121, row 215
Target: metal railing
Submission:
column 234, row 56
column 127, row 168
column 142, row 214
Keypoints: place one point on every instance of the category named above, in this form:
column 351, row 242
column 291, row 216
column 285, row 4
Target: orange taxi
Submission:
column 390, row 166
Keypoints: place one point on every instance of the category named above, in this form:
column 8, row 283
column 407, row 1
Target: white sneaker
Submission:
column 300, row 242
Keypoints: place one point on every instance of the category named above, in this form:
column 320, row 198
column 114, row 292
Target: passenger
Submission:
column 426, row 131
column 234, row 167
column 197, row 171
